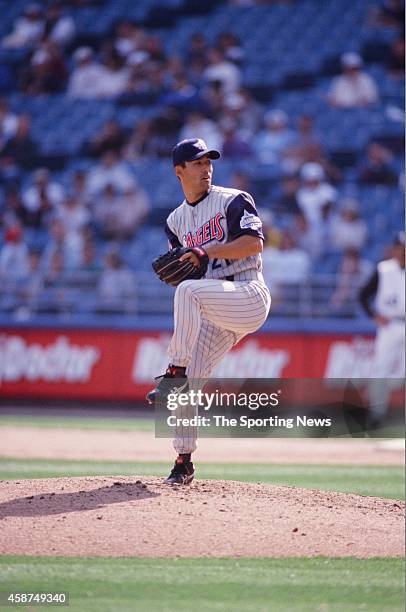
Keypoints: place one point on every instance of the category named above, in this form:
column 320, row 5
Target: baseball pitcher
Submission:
column 215, row 263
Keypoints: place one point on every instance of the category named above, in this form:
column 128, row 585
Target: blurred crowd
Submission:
column 201, row 93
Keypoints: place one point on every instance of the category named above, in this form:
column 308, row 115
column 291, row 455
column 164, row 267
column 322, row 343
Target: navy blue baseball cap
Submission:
column 191, row 149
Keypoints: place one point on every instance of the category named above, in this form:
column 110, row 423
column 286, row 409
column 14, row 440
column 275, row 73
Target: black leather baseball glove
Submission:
column 172, row 271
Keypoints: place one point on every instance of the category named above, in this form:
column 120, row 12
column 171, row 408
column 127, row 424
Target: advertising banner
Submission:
column 121, row 365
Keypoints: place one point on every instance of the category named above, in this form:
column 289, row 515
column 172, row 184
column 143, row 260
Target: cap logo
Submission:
column 191, row 149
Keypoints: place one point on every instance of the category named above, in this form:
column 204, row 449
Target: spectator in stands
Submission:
column 170, row 89
column 14, row 264
column 133, row 207
column 214, row 98
column 114, row 78
column 197, row 123
column 287, row 264
column 377, row 168
column 391, row 14
column 111, row 137
column 90, row 262
column 242, row 181
column 59, row 26
column 222, row 70
column 7, row 76
column 244, row 111
column 161, row 132
column 315, row 197
column 348, row 230
column 194, row 72
column 66, row 244
column 10, row 172
column 352, row 275
column 233, row 145
column 182, row 95
column 53, row 271
column 103, row 206
column 198, row 49
column 308, row 237
column 354, row 87
column 286, row 202
column 129, row 38
column 22, row 148
column 73, row 215
column 120, row 215
column 8, row 123
column 116, row 289
column 307, row 147
column 28, row 29
column 396, row 59
column 229, row 44
column 33, row 282
column 43, row 198
column 136, row 141
column 79, row 188
column 111, row 170
column 153, row 45
column 140, row 85
column 46, row 72
column 270, row 144
column 85, row 79
column 174, row 67
column 14, row 213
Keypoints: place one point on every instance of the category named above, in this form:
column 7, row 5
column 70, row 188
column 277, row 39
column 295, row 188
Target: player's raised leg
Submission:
column 236, row 306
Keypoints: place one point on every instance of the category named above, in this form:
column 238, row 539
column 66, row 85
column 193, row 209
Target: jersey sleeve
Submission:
column 172, row 237
column 368, row 292
column 242, row 217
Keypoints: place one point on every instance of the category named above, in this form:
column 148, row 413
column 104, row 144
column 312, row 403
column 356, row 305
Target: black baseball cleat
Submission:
column 182, row 473
column 173, row 381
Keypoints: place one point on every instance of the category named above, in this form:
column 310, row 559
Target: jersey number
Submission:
column 217, row 263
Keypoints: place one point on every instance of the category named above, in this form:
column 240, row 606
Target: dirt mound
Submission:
column 123, row 516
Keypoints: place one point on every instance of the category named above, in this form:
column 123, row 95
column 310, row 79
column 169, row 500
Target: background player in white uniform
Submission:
column 387, row 286
column 212, row 314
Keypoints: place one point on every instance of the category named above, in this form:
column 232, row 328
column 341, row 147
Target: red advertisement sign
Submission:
column 121, row 365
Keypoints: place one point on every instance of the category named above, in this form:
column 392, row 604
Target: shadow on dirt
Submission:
column 46, row 504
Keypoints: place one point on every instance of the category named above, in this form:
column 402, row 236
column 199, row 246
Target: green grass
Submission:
column 229, row 585
column 136, row 423
column 378, row 481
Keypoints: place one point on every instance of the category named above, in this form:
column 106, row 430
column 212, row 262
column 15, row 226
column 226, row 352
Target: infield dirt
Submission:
column 130, row 516
column 141, row 516
column 97, row 445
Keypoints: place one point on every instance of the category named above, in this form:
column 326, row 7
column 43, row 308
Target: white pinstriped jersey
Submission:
column 220, row 216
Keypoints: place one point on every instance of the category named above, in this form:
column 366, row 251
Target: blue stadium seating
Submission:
column 285, row 41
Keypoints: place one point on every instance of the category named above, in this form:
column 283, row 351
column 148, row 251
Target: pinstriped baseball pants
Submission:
column 210, row 317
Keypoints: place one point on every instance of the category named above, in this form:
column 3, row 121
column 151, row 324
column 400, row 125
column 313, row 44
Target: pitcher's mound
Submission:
column 122, row 516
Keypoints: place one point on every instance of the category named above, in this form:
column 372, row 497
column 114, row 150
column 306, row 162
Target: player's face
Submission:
column 196, row 176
